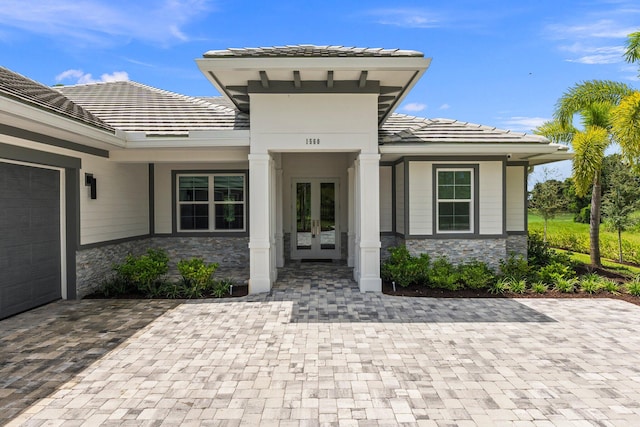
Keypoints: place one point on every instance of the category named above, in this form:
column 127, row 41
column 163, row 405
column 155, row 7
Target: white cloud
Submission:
column 596, row 37
column 409, row 18
column 80, row 77
column 444, row 107
column 414, row 107
column 97, row 22
column 522, row 124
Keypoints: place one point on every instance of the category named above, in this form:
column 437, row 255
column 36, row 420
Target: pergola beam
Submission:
column 264, row 80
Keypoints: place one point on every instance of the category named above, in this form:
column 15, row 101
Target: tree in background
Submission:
column 620, row 200
column 547, row 199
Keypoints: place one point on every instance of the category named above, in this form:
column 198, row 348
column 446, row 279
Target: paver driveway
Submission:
column 317, row 352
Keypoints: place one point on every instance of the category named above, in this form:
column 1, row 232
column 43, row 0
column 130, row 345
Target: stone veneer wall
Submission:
column 94, row 265
column 517, row 244
column 458, row 251
column 387, row 241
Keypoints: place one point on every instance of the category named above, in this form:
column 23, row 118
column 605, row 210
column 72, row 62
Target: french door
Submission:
column 316, row 233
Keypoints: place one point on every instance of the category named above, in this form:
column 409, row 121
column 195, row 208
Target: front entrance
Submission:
column 316, row 233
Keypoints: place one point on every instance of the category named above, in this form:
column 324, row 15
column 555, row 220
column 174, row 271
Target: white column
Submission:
column 351, row 234
column 356, row 222
column 272, row 222
column 259, row 223
column 279, row 217
column 369, row 222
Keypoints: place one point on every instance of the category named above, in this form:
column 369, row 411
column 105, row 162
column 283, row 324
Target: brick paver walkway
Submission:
column 317, row 352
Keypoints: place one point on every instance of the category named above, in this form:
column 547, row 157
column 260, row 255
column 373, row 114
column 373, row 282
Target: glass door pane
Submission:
column 303, row 215
column 327, row 215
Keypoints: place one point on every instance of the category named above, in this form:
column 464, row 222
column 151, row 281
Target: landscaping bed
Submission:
column 421, row 291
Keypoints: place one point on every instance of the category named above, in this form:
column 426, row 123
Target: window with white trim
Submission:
column 211, row 202
column 454, row 200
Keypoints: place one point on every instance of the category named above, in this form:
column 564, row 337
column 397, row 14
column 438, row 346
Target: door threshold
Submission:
column 317, row 260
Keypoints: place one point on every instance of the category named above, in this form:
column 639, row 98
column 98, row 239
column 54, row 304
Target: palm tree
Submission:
column 610, row 113
column 595, row 101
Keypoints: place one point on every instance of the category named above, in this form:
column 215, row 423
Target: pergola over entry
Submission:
column 390, row 73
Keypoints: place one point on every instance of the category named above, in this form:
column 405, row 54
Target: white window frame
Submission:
column 471, row 200
column 211, row 203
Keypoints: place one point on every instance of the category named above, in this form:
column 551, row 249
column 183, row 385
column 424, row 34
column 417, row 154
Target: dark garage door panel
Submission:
column 30, row 237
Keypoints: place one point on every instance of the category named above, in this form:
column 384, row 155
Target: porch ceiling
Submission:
column 390, row 73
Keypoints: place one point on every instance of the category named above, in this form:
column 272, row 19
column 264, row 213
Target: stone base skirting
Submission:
column 458, row 251
column 95, row 265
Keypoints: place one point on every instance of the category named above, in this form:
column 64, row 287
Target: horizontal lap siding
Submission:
column 490, row 203
column 386, row 199
column 121, row 208
column 515, row 198
column 420, row 198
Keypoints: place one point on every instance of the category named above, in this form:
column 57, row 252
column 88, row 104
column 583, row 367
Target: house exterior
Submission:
column 302, row 158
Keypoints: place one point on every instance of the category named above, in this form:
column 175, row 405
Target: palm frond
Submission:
column 585, row 94
column 589, row 149
column 555, row 132
column 632, row 51
column 597, row 114
column 625, row 127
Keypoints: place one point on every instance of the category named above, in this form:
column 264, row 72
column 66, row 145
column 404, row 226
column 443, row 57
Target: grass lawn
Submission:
column 563, row 232
column 629, row 270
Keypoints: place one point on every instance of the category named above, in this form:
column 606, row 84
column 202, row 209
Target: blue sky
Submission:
column 495, row 62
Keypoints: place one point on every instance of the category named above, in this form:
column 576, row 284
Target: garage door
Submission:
column 29, row 237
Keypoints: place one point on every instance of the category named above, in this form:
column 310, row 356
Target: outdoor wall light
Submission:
column 90, row 181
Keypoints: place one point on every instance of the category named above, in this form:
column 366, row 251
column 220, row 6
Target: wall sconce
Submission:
column 90, row 181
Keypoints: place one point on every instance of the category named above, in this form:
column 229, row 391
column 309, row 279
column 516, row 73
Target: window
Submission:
column 211, row 202
column 454, row 200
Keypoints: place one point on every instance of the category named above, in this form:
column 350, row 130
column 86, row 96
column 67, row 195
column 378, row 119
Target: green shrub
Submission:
column 584, row 216
column 515, row 267
column 633, row 287
column 539, row 253
column 475, row 275
column 517, row 286
column 144, row 273
column 553, row 272
column 610, row 286
column 500, row 286
column 590, row 283
column 403, row 268
column 116, row 286
column 195, row 273
column 221, row 287
column 171, row 290
column 443, row 275
column 565, row 285
column 539, row 288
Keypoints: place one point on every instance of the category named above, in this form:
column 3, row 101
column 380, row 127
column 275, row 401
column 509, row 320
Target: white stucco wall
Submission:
column 386, row 199
column 400, row 202
column 516, row 198
column 341, row 122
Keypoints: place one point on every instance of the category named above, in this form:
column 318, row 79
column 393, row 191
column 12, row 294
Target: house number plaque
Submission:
column 313, row 141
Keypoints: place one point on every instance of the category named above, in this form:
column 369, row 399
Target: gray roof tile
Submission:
column 308, row 50
column 404, row 129
column 135, row 107
column 18, row 87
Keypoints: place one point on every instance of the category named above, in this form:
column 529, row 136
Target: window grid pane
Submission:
column 227, row 204
column 454, row 200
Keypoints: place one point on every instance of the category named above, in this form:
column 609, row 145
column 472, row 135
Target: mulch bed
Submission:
column 421, row 291
column 238, row 291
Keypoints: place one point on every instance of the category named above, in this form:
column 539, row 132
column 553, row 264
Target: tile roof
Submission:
column 134, row 107
column 308, row 50
column 20, row 88
column 404, row 129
